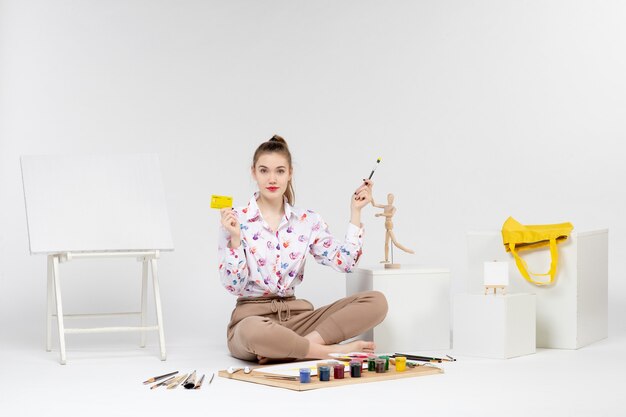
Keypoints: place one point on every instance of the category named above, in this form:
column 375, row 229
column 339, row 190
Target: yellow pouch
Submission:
column 517, row 237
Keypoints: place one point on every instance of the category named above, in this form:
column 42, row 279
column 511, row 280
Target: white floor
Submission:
column 107, row 381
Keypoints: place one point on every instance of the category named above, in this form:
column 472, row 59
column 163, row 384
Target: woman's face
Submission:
column 272, row 173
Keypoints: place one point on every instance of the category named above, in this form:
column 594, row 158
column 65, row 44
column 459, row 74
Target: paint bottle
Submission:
column 338, row 371
column 355, row 369
column 319, row 365
column 400, row 364
column 324, row 373
column 305, row 375
column 331, row 365
column 371, row 364
column 386, row 358
column 380, row 365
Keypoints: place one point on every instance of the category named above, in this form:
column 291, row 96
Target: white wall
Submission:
column 479, row 109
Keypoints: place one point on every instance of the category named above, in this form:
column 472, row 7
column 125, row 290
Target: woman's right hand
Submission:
column 230, row 223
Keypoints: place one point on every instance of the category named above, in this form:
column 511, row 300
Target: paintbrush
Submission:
column 426, row 358
column 190, row 382
column 176, row 382
column 283, row 377
column 156, row 378
column 164, row 382
column 374, row 169
column 199, row 384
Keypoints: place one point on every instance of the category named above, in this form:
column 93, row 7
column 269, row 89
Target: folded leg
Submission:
column 343, row 319
column 260, row 336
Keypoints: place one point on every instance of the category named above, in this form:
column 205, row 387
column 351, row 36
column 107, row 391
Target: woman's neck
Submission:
column 274, row 207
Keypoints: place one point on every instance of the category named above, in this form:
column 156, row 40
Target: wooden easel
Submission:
column 495, row 277
column 97, row 206
column 148, row 260
column 495, row 288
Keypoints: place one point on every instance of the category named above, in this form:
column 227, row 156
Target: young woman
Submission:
column 262, row 252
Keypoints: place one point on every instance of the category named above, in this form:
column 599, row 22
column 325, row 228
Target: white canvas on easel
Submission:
column 96, row 206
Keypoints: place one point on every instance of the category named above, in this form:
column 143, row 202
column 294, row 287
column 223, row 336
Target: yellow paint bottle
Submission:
column 400, row 364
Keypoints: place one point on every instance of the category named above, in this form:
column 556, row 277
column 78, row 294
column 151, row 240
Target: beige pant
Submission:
column 275, row 327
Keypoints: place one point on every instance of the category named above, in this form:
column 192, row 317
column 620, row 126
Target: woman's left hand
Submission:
column 362, row 196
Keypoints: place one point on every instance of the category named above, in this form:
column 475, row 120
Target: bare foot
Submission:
column 357, row 346
column 264, row 361
column 318, row 351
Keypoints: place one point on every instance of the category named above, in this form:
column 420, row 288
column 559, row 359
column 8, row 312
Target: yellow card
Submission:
column 221, row 201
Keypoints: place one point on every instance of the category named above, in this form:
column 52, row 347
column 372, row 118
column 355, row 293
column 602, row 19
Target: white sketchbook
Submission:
column 293, row 368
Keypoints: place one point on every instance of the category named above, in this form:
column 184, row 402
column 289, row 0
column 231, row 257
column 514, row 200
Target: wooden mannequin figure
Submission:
column 388, row 211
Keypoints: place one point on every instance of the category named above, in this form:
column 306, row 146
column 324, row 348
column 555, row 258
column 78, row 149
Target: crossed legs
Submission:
column 311, row 334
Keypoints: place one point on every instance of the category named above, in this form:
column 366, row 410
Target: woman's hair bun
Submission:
column 278, row 139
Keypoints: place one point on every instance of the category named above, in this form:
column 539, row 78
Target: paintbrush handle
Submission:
column 420, row 358
column 286, row 378
column 199, row 384
column 160, row 384
column 156, row 378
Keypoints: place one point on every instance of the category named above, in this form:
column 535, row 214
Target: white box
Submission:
column 574, row 311
column 419, row 306
column 494, row 326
